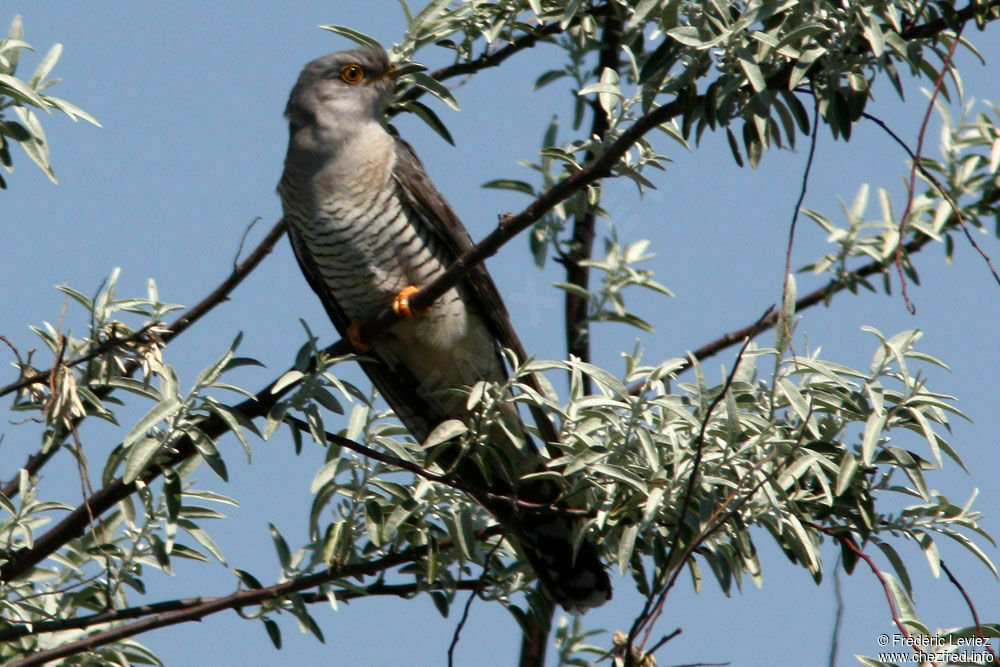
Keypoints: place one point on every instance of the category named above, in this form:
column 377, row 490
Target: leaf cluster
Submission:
column 23, row 97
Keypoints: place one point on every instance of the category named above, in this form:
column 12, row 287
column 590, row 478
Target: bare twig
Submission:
column 795, row 215
column 849, row 543
column 221, row 293
column 911, row 193
column 972, row 609
column 468, row 602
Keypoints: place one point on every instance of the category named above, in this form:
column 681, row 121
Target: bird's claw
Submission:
column 401, row 304
column 354, row 335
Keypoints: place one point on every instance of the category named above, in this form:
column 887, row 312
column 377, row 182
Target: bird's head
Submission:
column 344, row 89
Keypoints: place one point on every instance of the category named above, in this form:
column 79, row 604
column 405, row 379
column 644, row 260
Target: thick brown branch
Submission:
column 581, row 244
column 74, row 523
column 142, row 611
column 243, row 599
column 937, row 26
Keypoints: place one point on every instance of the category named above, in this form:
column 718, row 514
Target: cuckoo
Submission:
column 369, row 229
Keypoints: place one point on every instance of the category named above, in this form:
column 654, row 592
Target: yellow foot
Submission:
column 354, row 335
column 401, row 304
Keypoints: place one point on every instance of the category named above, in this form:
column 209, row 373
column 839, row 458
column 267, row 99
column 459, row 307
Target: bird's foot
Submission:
column 354, row 335
column 401, row 304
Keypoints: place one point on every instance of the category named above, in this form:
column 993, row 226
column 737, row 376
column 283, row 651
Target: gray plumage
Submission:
column 365, row 222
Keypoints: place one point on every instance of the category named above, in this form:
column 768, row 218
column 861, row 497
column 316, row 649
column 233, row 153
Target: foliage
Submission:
column 21, row 96
column 674, row 473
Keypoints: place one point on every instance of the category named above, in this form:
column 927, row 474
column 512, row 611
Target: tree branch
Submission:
column 483, row 494
column 181, row 324
column 581, row 244
column 242, row 599
column 213, row 426
column 651, row 608
column 972, row 608
column 141, row 611
column 494, row 59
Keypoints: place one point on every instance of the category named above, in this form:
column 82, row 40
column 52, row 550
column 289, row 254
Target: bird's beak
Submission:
column 397, row 70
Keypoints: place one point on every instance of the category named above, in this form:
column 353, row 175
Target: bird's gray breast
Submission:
column 367, row 243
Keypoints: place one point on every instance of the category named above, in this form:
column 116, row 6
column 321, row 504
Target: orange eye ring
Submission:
column 352, row 73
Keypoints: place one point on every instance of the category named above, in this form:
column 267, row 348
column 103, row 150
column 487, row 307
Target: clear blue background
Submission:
column 190, row 96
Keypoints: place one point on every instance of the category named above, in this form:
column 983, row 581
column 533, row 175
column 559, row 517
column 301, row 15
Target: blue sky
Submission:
column 190, row 96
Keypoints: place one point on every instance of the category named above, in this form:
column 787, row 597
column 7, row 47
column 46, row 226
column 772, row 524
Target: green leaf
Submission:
column 873, row 432
column 274, row 632
column 626, row 545
column 435, row 88
column 202, row 538
column 13, row 87
column 509, row 184
column 280, row 547
column 734, row 147
column 44, row 67
column 37, row 147
column 353, row 35
column 897, row 563
column 427, row 115
column 139, row 456
column 446, row 430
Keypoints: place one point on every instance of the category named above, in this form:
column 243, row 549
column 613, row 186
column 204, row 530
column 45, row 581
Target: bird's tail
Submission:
column 577, row 581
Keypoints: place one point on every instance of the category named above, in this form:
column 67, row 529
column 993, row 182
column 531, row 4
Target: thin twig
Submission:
column 913, row 171
column 972, row 609
column 493, row 59
column 838, row 617
column 937, row 185
column 220, row 293
column 468, row 602
column 649, row 609
column 849, row 543
column 581, row 243
column 37, row 460
column 786, row 280
column 389, row 459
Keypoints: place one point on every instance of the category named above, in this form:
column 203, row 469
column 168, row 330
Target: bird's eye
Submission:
column 352, row 74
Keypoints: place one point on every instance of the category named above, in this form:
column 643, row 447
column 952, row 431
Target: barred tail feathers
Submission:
column 578, row 582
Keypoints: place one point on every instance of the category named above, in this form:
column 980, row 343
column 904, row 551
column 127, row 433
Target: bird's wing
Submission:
column 425, row 199
column 427, row 202
column 395, row 384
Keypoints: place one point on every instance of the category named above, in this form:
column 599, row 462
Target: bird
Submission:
column 369, row 229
